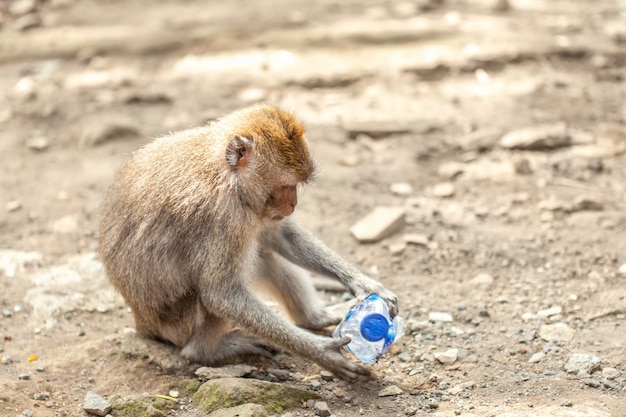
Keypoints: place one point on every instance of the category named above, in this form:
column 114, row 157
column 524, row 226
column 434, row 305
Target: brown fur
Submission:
column 193, row 217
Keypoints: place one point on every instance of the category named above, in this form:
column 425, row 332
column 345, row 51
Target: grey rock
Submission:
column 327, row 376
column 96, row 405
column 228, row 371
column 41, row 396
column 6, row 360
column 582, row 363
column 24, row 377
column 390, row 391
column 592, row 383
column 28, row 413
column 321, row 409
column 537, row 138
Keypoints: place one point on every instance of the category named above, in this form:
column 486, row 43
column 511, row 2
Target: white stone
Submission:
column 381, row 222
column 541, row 137
column 440, row 316
column 557, row 332
column 443, row 190
column 482, row 280
column 537, row 357
column 610, row 373
column 391, row 390
column 401, row 188
column 448, row 357
column 582, row 363
column 622, row 269
column 552, row 311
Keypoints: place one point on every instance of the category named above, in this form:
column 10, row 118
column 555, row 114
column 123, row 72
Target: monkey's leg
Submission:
column 296, row 291
column 214, row 342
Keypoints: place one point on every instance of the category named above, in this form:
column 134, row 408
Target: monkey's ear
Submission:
column 238, row 151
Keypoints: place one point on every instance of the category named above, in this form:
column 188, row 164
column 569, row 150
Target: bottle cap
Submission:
column 374, row 327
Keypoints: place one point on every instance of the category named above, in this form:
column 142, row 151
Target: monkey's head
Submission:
column 267, row 150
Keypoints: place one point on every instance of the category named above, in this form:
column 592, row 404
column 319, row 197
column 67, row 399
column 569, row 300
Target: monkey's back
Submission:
column 154, row 213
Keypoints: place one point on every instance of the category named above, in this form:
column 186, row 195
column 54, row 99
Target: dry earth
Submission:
column 520, row 235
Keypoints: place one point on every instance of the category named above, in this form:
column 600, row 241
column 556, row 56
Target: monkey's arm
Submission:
column 300, row 247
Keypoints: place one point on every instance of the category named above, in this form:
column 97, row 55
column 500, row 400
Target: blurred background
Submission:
column 498, row 126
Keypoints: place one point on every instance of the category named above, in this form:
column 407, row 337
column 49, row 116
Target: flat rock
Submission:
column 231, row 392
column 537, row 138
column 552, row 311
column 381, row 222
column 557, row 332
column 582, row 363
column 228, row 371
column 96, row 405
column 391, row 390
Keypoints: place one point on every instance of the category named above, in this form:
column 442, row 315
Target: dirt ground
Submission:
column 422, row 93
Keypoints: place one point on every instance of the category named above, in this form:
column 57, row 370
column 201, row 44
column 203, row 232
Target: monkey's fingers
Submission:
column 339, row 343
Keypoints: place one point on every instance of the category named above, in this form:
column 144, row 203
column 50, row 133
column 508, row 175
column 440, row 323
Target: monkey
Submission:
column 194, row 218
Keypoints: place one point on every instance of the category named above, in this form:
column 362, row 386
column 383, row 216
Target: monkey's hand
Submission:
column 331, row 358
column 364, row 286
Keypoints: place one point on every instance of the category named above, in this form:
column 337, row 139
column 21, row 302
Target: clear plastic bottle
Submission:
column 371, row 329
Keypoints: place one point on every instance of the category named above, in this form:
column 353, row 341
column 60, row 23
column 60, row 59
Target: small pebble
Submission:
column 327, row 376
column 443, row 190
column 24, row 377
column 610, row 373
column 41, row 396
column 537, row 357
column 6, row 312
column 41, row 369
column 391, row 390
column 315, row 385
column 7, row 360
column 49, row 404
column 13, row 205
column 567, row 403
column 174, row 393
column 592, row 383
column 28, row 413
column 438, row 316
column 411, row 411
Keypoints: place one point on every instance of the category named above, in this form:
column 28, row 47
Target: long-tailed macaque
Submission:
column 194, row 217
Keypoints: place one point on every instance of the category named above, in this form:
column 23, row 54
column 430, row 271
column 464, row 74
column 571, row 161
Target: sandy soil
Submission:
column 420, row 93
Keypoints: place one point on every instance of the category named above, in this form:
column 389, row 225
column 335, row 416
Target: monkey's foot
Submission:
column 232, row 345
column 318, row 320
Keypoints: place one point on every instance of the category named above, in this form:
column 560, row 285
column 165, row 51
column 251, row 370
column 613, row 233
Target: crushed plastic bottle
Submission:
column 371, row 329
